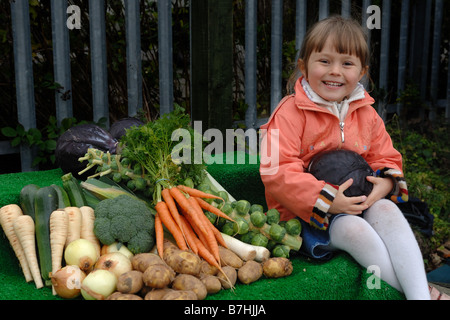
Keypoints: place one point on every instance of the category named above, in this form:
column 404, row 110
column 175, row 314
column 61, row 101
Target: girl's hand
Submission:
column 349, row 205
column 381, row 188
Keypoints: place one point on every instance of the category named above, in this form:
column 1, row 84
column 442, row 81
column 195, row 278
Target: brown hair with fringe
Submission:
column 347, row 36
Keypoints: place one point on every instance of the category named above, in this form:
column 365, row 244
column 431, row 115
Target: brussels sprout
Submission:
column 223, row 195
column 247, row 237
column 228, row 228
column 242, row 207
column 114, row 165
column 131, row 184
column 117, row 177
column 259, row 240
column 137, row 169
column 188, row 182
column 204, row 187
column 281, row 251
column 148, row 192
column 273, row 216
column 124, row 173
column 256, row 207
column 271, row 244
column 258, row 218
column 125, row 162
column 277, row 232
column 105, row 157
column 140, row 183
column 227, row 208
column 211, row 217
column 219, row 222
column 104, row 167
column 240, row 226
column 293, row 227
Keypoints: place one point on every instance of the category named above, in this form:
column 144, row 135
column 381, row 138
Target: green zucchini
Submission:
column 74, row 191
column 45, row 202
column 26, row 199
column 63, row 197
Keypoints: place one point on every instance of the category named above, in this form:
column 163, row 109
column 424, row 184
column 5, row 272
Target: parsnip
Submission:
column 87, row 227
column 25, row 231
column 8, row 214
column 74, row 226
column 59, row 222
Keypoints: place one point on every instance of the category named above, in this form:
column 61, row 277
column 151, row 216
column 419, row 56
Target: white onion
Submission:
column 82, row 253
column 117, row 247
column 98, row 285
column 67, row 281
column 115, row 262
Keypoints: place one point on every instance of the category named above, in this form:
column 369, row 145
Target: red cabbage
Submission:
column 119, row 127
column 75, row 142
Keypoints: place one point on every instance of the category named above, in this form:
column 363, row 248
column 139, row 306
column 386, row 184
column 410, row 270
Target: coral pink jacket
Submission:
column 304, row 130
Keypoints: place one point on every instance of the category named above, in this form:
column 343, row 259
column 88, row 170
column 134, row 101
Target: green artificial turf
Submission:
column 339, row 279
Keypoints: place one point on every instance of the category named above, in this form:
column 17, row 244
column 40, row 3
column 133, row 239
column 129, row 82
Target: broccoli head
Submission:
column 126, row 220
column 142, row 241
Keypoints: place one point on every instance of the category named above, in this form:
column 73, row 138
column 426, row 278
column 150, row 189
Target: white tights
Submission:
column 384, row 238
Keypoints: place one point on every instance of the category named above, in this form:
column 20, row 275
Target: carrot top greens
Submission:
column 144, row 162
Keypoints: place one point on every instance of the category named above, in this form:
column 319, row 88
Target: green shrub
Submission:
column 425, row 150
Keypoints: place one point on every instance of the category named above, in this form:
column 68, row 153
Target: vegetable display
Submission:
column 144, row 225
column 178, row 274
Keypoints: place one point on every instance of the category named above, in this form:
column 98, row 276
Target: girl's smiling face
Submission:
column 332, row 75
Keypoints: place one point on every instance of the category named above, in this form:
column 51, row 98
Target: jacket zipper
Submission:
column 341, row 125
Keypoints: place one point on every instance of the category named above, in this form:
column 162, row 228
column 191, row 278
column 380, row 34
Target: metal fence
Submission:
column 62, row 73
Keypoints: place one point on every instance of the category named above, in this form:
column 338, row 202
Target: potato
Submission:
column 169, row 244
column 207, row 269
column 157, row 294
column 250, row 272
column 123, row 296
column 212, row 283
column 190, row 282
column 228, row 277
column 180, row 295
column 229, row 258
column 145, row 289
column 130, row 282
column 142, row 261
column 158, row 276
column 181, row 261
column 277, row 267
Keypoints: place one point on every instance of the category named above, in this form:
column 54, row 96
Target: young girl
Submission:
column 331, row 110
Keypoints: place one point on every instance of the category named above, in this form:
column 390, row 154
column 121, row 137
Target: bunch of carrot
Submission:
column 180, row 210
